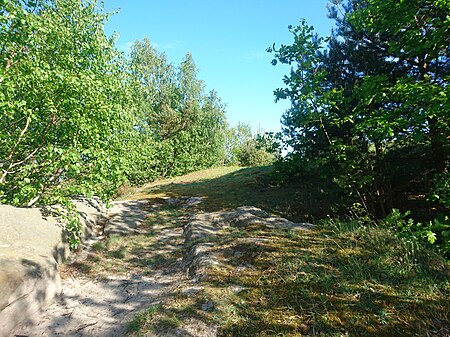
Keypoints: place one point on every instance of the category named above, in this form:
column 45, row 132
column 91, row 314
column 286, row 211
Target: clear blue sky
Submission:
column 227, row 39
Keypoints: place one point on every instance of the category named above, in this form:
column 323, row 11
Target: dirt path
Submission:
column 104, row 303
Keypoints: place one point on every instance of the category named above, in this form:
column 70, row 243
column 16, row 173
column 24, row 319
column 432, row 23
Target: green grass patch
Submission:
column 343, row 278
column 226, row 188
column 142, row 319
column 355, row 280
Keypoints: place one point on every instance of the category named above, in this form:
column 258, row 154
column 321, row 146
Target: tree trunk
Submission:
column 437, row 146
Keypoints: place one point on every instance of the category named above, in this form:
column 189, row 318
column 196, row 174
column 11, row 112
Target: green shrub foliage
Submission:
column 370, row 103
column 80, row 119
column 244, row 148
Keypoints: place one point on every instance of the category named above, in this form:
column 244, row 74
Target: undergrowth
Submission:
column 341, row 279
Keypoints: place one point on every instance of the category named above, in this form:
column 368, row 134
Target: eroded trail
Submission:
column 107, row 285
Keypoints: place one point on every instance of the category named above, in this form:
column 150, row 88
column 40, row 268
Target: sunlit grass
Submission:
column 330, row 282
column 343, row 278
column 226, row 188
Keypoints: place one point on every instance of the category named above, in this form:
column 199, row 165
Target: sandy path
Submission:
column 93, row 307
column 98, row 308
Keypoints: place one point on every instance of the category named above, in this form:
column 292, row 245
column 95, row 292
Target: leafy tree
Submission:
column 236, row 137
column 244, row 148
column 62, row 95
column 180, row 128
column 371, row 101
column 416, row 37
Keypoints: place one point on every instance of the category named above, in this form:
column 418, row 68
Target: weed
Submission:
column 142, row 319
column 168, row 322
column 114, row 239
column 119, row 253
column 99, row 246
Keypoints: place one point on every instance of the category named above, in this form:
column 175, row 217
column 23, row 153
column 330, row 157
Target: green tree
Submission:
column 236, row 137
column 62, row 95
column 415, row 36
column 371, row 101
column 154, row 90
column 153, row 87
column 180, row 129
column 244, row 148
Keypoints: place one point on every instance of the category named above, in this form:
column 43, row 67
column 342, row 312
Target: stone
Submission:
column 192, row 290
column 29, row 278
column 208, row 306
column 193, row 201
column 124, row 217
column 32, row 243
column 202, row 230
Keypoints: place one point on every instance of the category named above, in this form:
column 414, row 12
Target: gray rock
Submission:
column 124, row 217
column 32, row 243
column 202, row 230
column 193, row 201
column 208, row 306
column 192, row 290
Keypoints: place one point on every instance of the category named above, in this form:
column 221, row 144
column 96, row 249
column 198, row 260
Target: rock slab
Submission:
column 32, row 242
column 202, row 229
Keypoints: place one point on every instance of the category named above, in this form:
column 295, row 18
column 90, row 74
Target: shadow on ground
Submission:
column 303, row 201
column 105, row 286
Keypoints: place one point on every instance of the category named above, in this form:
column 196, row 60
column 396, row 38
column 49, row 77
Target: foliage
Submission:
column 63, row 97
column 180, row 128
column 235, row 138
column 435, row 232
column 78, row 120
column 365, row 105
column 252, row 153
column 441, row 189
column 245, row 149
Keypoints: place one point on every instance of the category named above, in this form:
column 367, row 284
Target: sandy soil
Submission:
column 103, row 307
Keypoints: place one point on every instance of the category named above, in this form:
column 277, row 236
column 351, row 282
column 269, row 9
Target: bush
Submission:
column 250, row 154
column 435, row 233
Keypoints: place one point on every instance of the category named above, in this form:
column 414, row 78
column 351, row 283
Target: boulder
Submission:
column 32, row 243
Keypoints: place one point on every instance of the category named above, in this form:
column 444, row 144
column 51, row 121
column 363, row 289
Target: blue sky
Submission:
column 227, row 39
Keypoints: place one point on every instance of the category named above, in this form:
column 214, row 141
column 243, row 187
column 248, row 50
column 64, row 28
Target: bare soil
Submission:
column 104, row 304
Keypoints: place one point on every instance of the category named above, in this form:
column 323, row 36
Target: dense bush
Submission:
column 244, row 148
column 370, row 106
column 252, row 154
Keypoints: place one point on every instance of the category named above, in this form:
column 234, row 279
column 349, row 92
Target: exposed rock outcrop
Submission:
column 202, row 230
column 32, row 242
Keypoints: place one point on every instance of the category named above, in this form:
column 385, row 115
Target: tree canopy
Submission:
column 63, row 101
column 369, row 104
column 79, row 118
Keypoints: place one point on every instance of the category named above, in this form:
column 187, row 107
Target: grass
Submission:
column 142, row 319
column 334, row 283
column 225, row 188
column 141, row 253
column 343, row 278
